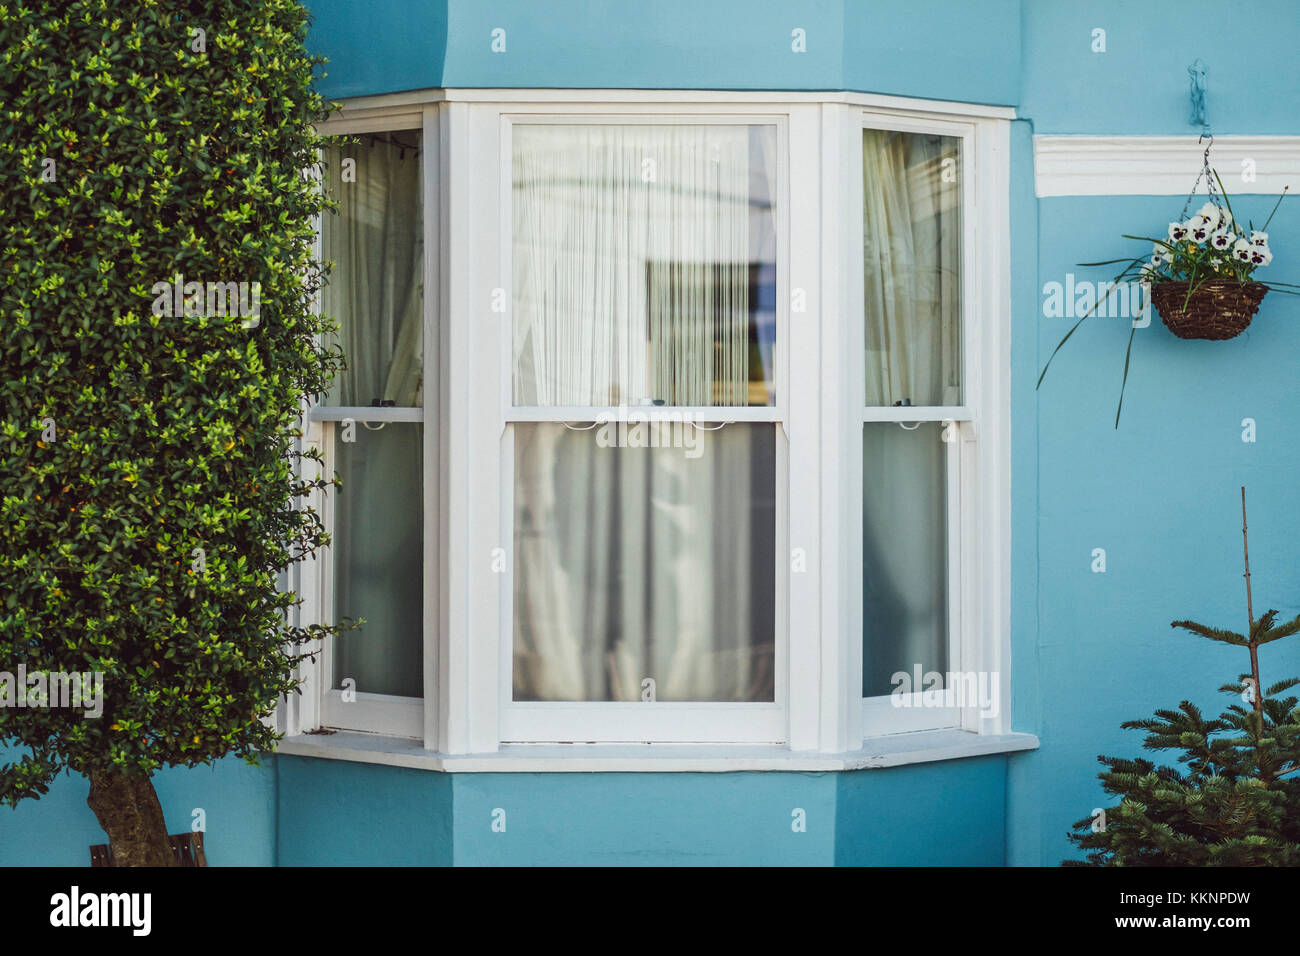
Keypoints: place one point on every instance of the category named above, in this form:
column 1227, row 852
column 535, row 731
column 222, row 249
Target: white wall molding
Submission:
column 1160, row 165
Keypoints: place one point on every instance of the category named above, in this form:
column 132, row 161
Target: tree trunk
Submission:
column 128, row 809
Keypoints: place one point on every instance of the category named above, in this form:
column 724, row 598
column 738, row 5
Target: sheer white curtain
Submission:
column 912, row 279
column 633, row 275
column 375, row 292
column 632, row 265
column 911, row 230
column 375, row 289
column 634, row 563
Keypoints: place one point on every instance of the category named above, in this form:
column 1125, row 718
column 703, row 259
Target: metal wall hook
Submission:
column 1199, row 115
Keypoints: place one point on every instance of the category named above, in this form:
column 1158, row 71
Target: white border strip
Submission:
column 1160, row 165
column 893, row 751
column 358, row 108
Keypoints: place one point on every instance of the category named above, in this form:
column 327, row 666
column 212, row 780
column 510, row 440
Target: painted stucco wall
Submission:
column 1089, row 650
column 1161, row 493
column 932, row 48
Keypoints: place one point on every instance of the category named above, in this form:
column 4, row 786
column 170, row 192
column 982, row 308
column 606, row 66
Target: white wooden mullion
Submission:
column 455, row 579
column 483, row 230
column 849, row 350
column 800, row 338
column 917, row 413
column 993, row 445
column 431, row 431
column 707, row 414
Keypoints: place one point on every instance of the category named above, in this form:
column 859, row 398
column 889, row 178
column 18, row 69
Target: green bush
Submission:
column 147, row 493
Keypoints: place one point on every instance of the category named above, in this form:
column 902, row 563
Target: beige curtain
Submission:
column 911, row 230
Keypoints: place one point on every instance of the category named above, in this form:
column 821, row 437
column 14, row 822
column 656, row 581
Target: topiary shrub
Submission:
column 156, row 337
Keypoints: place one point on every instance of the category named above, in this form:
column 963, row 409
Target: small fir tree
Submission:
column 1237, row 803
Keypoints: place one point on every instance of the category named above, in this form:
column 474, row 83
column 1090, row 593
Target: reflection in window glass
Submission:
column 644, row 265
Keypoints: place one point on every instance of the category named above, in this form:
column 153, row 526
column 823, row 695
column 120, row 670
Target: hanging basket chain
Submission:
column 1206, row 173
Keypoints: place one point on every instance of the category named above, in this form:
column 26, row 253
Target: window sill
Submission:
column 895, row 750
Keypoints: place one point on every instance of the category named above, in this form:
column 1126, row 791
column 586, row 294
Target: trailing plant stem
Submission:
column 1258, row 693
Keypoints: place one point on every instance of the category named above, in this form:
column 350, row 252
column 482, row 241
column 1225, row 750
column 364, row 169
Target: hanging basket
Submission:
column 1216, row 310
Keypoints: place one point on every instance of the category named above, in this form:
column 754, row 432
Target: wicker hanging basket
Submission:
column 1216, row 310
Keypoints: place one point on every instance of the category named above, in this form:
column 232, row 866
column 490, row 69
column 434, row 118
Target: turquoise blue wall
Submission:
column 1160, row 494
column 238, row 801
column 296, row 811
column 1139, row 86
column 929, row 48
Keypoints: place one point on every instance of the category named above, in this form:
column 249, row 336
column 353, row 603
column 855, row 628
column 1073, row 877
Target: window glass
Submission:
column 378, row 558
column 644, row 551
column 644, row 265
column 374, row 291
column 904, row 554
column 912, row 238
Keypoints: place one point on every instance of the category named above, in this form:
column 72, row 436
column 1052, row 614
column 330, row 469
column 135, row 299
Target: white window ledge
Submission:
column 895, row 750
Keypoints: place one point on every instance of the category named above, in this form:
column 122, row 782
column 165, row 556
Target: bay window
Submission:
column 699, row 438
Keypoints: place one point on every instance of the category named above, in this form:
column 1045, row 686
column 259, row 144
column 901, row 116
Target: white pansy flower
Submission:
column 1151, row 270
column 1260, row 239
column 1241, row 250
column 1222, row 241
column 1207, row 216
column 1177, row 231
column 1260, row 256
column 1198, row 232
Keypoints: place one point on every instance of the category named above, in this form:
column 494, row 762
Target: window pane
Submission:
column 646, row 552
column 378, row 555
column 904, row 554
column 644, row 265
column 375, row 289
column 912, row 237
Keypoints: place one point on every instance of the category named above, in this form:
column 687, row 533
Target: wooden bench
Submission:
column 187, row 848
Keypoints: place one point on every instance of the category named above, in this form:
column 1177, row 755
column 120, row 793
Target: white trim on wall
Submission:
column 1160, row 165
column 389, row 104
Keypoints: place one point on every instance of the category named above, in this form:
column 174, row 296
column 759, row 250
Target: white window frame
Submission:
column 467, row 634
column 323, row 706
column 977, row 504
column 659, row 722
